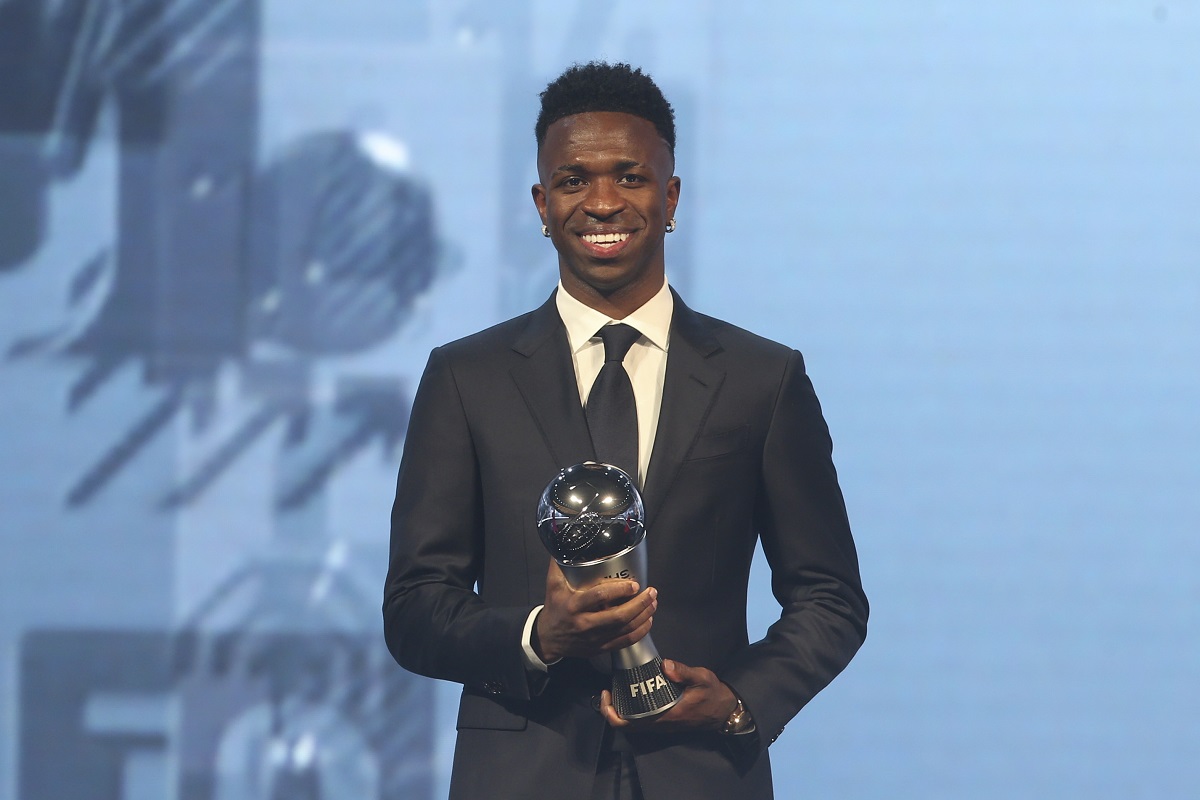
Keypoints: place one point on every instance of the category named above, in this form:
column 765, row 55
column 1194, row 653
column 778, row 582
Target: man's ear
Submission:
column 673, row 187
column 539, row 200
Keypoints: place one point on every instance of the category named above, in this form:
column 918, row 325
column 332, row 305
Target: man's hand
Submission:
column 584, row 623
column 705, row 704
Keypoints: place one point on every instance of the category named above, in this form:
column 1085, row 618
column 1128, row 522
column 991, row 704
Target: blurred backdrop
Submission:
column 231, row 231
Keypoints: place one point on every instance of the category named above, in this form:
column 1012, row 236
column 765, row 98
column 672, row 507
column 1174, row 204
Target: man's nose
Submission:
column 604, row 200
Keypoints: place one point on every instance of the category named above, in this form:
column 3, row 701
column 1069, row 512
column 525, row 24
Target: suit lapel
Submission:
column 546, row 379
column 689, row 389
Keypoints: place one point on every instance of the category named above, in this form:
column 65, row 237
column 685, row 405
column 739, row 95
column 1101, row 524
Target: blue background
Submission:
column 980, row 222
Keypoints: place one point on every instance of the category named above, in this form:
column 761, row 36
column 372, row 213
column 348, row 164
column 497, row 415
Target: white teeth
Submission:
column 605, row 238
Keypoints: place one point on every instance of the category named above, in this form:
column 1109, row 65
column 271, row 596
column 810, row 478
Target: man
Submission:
column 730, row 447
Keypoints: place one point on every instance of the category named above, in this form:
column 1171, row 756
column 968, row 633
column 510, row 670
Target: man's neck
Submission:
column 619, row 303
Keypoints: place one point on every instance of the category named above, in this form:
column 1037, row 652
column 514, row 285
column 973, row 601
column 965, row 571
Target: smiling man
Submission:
column 722, row 430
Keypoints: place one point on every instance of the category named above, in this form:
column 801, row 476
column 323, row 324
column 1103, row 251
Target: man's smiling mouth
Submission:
column 604, row 238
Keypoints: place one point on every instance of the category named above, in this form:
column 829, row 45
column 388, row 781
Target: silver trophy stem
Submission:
column 634, row 656
column 639, row 687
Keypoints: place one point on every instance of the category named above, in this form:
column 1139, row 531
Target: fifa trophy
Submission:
column 592, row 521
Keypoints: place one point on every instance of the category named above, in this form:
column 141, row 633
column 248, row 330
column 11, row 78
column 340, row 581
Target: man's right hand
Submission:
column 583, row 623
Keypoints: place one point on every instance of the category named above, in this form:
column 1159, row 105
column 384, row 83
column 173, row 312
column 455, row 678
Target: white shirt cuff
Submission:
column 531, row 656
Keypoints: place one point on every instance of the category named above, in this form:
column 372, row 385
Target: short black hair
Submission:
column 599, row 86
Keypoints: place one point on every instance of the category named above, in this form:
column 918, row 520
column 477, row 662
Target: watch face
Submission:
column 736, row 720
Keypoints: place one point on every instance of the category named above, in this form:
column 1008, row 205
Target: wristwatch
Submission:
column 739, row 720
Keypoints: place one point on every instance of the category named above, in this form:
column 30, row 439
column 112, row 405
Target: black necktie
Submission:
column 611, row 408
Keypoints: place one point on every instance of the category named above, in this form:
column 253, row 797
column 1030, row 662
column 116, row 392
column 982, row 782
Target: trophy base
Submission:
column 643, row 691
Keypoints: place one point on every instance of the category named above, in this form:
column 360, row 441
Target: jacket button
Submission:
column 595, row 702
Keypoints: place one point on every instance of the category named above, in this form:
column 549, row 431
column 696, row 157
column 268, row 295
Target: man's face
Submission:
column 606, row 194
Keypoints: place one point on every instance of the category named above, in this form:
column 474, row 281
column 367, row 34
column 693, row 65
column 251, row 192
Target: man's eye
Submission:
column 573, row 182
column 632, row 179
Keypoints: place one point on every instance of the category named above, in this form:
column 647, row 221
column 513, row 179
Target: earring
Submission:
column 671, row 225
column 545, row 231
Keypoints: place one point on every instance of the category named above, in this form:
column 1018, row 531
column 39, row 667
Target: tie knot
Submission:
column 617, row 340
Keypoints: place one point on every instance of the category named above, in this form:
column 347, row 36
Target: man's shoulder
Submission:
column 500, row 335
column 493, row 346
column 733, row 338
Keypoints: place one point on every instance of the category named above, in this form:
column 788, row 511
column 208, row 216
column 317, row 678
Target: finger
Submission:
column 607, row 593
column 624, row 613
column 681, row 673
column 609, row 711
column 627, row 639
column 632, row 619
column 557, row 588
column 554, row 575
column 641, row 618
column 628, row 623
column 613, row 607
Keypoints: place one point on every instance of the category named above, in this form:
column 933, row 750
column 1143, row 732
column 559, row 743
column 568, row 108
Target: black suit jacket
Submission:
column 741, row 452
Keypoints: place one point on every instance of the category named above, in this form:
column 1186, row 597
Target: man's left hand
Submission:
column 705, row 704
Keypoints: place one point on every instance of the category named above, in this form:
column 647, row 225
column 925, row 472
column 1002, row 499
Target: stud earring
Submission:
column 546, row 231
column 671, row 225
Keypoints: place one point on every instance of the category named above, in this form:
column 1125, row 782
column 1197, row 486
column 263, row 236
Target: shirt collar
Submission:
column 652, row 318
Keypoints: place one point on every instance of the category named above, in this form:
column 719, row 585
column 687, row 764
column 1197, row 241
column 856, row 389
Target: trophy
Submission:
column 591, row 520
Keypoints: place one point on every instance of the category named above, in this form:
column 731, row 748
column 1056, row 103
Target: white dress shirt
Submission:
column 646, row 363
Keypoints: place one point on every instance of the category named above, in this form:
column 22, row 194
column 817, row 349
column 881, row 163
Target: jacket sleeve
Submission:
column 801, row 519
column 435, row 623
